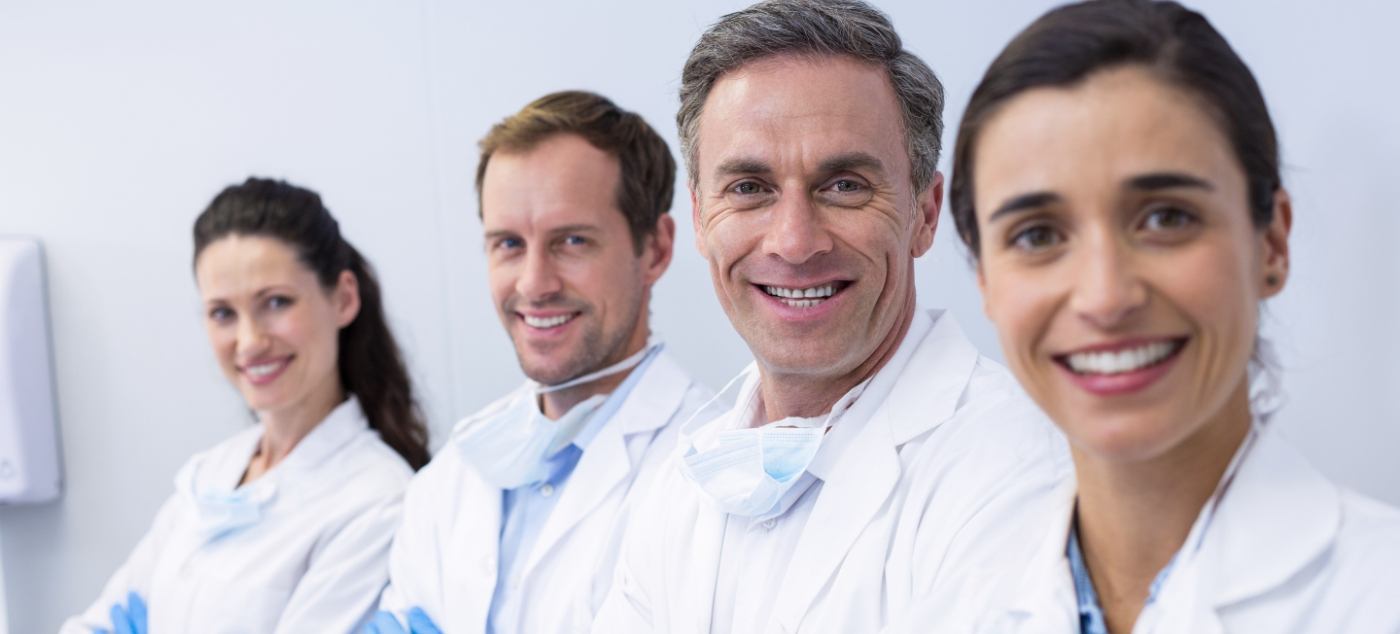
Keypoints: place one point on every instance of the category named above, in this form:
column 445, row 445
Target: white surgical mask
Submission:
column 220, row 512
column 748, row 470
column 511, row 447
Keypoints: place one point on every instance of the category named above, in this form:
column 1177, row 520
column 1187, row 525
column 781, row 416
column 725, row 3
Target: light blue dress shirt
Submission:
column 524, row 509
column 1090, row 612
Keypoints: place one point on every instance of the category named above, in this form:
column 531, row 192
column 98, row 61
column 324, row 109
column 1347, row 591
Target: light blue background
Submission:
column 118, row 122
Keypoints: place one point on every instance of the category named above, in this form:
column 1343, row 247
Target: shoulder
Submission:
column 369, row 469
column 995, row 420
column 1368, row 540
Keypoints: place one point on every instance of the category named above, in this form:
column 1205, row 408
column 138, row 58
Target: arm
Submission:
column 134, row 575
column 341, row 585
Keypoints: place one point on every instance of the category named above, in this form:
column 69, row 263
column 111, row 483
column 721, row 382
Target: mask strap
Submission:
column 616, row 368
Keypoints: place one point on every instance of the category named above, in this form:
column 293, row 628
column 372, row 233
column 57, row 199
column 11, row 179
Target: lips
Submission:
column 1121, row 368
column 547, row 322
column 804, row 296
column 265, row 371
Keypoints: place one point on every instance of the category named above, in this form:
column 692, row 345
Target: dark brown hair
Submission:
column 648, row 173
column 370, row 365
column 1174, row 43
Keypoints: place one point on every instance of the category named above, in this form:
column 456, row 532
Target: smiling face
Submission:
column 568, row 285
column 273, row 327
column 1119, row 262
column 805, row 210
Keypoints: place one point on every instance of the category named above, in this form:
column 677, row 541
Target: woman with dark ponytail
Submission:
column 286, row 526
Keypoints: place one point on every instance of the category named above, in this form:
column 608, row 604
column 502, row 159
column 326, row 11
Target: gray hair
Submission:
column 816, row 27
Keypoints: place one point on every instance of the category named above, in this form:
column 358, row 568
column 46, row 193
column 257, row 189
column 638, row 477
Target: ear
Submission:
column 346, row 298
column 660, row 245
column 695, row 222
column 929, row 202
column 1274, row 240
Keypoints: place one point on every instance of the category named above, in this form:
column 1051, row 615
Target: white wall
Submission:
column 118, row 123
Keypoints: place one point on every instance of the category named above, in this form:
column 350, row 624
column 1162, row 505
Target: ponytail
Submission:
column 370, row 365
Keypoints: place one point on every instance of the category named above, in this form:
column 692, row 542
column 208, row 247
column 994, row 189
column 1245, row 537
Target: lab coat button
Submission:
column 768, row 524
column 546, row 489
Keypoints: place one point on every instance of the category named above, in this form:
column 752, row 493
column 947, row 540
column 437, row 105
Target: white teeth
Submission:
column 259, row 371
column 547, row 322
column 1118, row 362
column 802, row 297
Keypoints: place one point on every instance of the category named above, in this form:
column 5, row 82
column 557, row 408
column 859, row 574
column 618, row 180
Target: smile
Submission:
column 265, row 372
column 805, row 297
column 547, row 322
column 1122, row 360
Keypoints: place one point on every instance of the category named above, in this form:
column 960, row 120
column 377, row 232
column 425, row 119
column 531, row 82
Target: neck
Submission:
column 284, row 428
column 558, row 403
column 1133, row 517
column 786, row 395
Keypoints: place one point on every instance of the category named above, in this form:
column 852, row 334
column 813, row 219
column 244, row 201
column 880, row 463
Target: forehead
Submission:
column 1112, row 126
column 562, row 180
column 239, row 264
column 800, row 108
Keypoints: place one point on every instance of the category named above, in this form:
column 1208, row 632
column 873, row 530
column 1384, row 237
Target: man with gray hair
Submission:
column 870, row 456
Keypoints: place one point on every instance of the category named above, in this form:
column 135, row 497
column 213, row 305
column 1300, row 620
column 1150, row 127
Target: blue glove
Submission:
column 129, row 618
column 385, row 623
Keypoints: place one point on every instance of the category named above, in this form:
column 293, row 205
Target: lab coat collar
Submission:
column 934, row 378
column 606, row 462
column 1277, row 517
column 222, row 470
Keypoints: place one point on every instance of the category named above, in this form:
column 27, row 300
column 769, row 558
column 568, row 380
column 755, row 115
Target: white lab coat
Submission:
column 315, row 562
column 936, row 493
column 445, row 555
column 1286, row 551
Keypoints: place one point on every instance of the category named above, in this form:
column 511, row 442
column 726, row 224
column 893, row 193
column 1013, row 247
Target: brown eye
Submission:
column 1168, row 219
column 1035, row 238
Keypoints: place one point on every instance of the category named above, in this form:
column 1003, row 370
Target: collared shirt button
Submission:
column 546, row 489
column 769, row 523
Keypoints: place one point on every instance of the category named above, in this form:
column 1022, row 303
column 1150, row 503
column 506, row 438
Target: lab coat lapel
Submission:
column 1044, row 600
column 868, row 470
column 606, row 463
column 845, row 506
column 471, row 556
column 1277, row 517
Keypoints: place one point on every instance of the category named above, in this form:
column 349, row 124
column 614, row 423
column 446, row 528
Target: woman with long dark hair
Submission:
column 1116, row 178
column 286, row 526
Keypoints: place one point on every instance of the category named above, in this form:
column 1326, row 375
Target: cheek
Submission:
column 1022, row 307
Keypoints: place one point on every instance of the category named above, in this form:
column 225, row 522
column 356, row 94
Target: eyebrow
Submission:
column 1024, row 202
column 852, row 161
column 574, row 228
column 1144, row 182
column 735, row 166
column 1167, row 180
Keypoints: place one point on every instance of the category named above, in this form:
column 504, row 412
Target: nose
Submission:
column 252, row 339
column 796, row 234
column 1108, row 291
column 539, row 279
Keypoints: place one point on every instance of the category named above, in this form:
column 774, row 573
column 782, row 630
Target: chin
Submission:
column 1124, row 438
